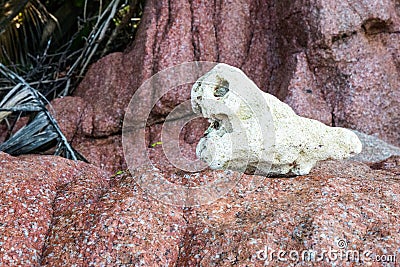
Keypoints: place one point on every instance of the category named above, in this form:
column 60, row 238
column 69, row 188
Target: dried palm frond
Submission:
column 42, row 131
column 23, row 29
column 57, row 66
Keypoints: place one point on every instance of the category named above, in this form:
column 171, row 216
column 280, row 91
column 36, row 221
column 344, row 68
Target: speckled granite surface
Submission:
column 74, row 215
column 374, row 149
column 30, row 187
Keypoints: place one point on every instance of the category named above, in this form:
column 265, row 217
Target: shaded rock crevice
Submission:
column 186, row 245
column 215, row 16
column 194, row 34
column 58, row 192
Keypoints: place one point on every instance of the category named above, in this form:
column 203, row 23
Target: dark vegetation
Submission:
column 45, row 49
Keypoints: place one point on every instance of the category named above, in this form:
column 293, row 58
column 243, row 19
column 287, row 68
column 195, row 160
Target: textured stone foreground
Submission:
column 55, row 212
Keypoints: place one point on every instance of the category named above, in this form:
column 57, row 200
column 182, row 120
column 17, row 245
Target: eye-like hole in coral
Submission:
column 216, row 125
column 222, row 87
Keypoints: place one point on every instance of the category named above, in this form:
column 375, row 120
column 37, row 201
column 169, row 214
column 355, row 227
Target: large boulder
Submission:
column 334, row 62
column 32, row 193
column 347, row 57
column 80, row 124
column 337, row 62
column 55, row 212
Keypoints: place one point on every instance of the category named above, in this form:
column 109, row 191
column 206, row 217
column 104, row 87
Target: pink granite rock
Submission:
column 55, row 212
column 337, row 201
column 335, row 62
column 350, row 52
column 336, row 204
column 171, row 33
column 30, row 188
column 123, row 226
column 106, row 89
column 304, row 96
column 76, row 119
column 74, row 115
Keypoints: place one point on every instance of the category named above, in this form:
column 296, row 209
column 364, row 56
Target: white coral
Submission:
column 255, row 132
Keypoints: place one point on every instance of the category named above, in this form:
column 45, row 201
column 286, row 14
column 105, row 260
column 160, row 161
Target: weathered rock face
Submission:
column 334, row 62
column 31, row 194
column 106, row 89
column 55, row 212
column 76, row 118
column 349, row 51
column 315, row 212
column 374, row 149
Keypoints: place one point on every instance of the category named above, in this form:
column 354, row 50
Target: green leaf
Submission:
column 156, row 143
